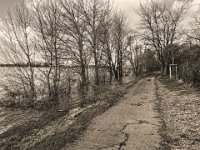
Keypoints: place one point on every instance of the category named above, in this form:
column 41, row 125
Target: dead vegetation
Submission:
column 54, row 128
column 181, row 114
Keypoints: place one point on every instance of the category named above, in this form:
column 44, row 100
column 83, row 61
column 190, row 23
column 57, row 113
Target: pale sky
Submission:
column 128, row 6
column 131, row 6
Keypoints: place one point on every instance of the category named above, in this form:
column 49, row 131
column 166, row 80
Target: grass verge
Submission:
column 175, row 85
column 68, row 128
column 172, row 84
column 165, row 139
column 178, row 106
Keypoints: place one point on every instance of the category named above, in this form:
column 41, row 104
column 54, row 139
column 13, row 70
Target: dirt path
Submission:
column 132, row 124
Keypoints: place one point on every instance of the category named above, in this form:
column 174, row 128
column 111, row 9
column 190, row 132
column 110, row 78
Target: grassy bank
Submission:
column 68, row 126
column 176, row 85
column 172, row 84
column 180, row 113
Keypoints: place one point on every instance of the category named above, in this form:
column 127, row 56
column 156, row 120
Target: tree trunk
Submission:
column 164, row 70
column 111, row 74
column 96, row 73
column 83, row 75
column 116, row 73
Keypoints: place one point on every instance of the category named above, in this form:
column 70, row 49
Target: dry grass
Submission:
column 181, row 114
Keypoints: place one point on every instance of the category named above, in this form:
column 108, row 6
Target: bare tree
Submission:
column 195, row 29
column 135, row 54
column 120, row 32
column 159, row 22
column 18, row 50
column 47, row 28
column 150, row 63
column 74, row 28
column 106, row 40
column 95, row 12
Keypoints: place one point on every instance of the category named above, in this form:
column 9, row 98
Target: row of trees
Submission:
column 188, row 55
column 84, row 33
column 161, row 24
column 77, row 33
column 169, row 40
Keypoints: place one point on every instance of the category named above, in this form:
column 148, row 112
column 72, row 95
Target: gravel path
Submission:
column 132, row 124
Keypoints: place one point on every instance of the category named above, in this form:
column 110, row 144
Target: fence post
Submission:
column 170, row 71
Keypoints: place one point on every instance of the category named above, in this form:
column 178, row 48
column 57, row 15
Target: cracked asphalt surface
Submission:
column 132, row 124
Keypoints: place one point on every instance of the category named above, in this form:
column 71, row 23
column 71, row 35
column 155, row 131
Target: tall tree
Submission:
column 106, row 41
column 73, row 26
column 18, row 49
column 120, row 32
column 195, row 29
column 47, row 28
column 160, row 21
column 135, row 54
column 95, row 12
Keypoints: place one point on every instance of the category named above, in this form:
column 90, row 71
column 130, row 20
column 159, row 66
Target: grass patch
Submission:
column 179, row 105
column 172, row 84
column 181, row 88
column 165, row 138
column 66, row 129
column 59, row 133
column 66, row 133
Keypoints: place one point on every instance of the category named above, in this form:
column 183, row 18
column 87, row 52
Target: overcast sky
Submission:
column 128, row 6
column 131, row 6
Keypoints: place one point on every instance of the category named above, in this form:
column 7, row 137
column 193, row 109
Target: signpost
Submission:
column 173, row 68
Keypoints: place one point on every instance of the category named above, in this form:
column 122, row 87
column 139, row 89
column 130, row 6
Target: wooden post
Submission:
column 170, row 71
column 171, row 66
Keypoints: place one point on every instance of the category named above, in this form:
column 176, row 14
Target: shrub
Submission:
column 190, row 65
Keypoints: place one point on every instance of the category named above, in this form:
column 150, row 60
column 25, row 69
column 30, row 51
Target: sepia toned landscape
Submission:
column 100, row 75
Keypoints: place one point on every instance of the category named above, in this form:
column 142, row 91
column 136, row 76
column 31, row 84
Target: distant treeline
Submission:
column 46, row 65
column 24, row 65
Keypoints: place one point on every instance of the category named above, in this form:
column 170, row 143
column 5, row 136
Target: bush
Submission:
column 190, row 65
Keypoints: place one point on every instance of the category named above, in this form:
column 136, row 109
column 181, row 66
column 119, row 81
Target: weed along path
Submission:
column 132, row 124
